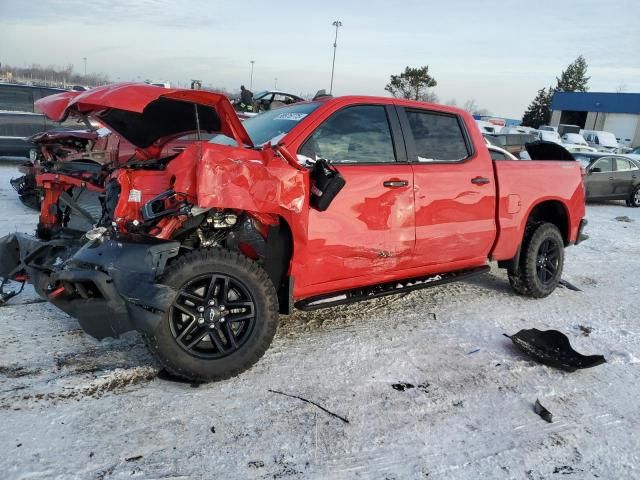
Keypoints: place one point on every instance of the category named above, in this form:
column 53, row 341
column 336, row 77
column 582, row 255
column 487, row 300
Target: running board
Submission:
column 384, row 289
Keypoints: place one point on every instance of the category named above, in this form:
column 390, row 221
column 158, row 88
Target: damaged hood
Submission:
column 147, row 115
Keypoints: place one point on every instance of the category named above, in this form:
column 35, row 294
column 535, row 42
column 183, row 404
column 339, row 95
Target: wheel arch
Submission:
column 552, row 211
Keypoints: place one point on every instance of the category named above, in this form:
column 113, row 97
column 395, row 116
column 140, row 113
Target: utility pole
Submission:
column 252, row 62
column 85, row 68
column 336, row 24
column 275, row 83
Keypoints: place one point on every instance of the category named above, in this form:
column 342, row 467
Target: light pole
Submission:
column 252, row 62
column 85, row 67
column 336, row 24
column 275, row 83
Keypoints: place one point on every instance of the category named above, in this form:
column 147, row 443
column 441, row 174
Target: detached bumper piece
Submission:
column 552, row 347
column 581, row 235
column 109, row 285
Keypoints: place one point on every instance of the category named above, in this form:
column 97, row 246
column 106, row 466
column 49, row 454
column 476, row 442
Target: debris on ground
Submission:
column 566, row 284
column 543, row 412
column 586, row 331
column 624, row 218
column 312, row 403
column 552, row 347
column 401, row 387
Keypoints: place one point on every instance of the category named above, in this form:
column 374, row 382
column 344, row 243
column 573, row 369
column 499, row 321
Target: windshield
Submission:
column 267, row 126
column 550, row 136
column 575, row 138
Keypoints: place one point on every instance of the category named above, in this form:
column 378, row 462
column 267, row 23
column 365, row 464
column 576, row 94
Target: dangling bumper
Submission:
column 109, row 285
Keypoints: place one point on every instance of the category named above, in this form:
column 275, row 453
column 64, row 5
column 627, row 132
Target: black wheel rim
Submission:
column 548, row 261
column 212, row 316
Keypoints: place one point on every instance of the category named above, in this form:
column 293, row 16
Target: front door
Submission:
column 600, row 180
column 369, row 228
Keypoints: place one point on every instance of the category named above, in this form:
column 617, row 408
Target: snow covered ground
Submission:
column 73, row 407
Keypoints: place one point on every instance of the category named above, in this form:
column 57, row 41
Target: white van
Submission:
column 603, row 141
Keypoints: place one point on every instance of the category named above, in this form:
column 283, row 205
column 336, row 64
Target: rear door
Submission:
column 368, row 229
column 454, row 189
column 624, row 177
column 599, row 182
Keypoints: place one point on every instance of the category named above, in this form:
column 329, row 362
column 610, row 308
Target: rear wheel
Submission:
column 634, row 198
column 541, row 261
column 222, row 319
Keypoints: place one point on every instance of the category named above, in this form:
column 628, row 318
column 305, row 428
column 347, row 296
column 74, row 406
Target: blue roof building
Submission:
column 618, row 113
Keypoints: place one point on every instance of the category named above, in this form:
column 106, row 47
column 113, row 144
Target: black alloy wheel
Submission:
column 212, row 316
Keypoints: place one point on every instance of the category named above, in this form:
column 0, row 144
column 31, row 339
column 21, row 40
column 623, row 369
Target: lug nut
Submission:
column 201, row 309
column 212, row 302
column 212, row 326
column 200, row 321
column 221, row 307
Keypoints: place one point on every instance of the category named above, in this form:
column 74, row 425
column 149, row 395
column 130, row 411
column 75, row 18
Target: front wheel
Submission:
column 222, row 319
column 541, row 261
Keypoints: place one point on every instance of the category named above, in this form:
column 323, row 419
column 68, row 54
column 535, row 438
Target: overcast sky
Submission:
column 498, row 53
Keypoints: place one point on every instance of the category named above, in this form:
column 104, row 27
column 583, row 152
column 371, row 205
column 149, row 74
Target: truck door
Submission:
column 369, row 228
column 455, row 191
column 600, row 180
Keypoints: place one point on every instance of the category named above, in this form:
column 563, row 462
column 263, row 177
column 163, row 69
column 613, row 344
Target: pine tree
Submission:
column 574, row 77
column 412, row 84
column 539, row 110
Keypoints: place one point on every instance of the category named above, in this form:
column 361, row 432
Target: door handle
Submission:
column 480, row 180
column 395, row 183
column 610, row 178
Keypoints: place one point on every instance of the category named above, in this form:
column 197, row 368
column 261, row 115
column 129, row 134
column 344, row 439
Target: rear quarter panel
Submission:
column 522, row 185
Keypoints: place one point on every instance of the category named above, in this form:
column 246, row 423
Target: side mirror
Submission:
column 595, row 170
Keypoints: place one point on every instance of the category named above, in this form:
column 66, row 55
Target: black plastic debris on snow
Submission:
column 543, row 412
column 552, row 348
column 568, row 285
column 312, row 403
column 624, row 219
column 401, row 387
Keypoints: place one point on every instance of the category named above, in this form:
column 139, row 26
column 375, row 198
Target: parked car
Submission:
column 635, row 151
column 19, row 120
column 271, row 99
column 548, row 128
column 601, row 140
column 549, row 136
column 574, row 139
column 611, row 177
column 514, row 143
column 498, row 153
column 200, row 250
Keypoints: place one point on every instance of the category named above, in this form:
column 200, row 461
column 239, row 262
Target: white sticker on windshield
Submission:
column 295, row 117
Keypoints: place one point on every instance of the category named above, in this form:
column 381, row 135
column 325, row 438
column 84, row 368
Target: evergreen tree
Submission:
column 574, row 77
column 412, row 84
column 539, row 112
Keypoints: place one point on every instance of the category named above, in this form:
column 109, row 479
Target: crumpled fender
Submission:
column 250, row 180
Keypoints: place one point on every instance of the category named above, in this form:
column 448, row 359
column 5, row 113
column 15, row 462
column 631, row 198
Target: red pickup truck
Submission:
column 201, row 250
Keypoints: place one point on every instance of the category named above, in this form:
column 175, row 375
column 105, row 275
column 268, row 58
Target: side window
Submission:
column 604, row 164
column 359, row 134
column 17, row 99
column 438, row 137
column 622, row 165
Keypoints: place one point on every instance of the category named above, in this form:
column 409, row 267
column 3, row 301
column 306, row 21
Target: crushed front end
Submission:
column 108, row 283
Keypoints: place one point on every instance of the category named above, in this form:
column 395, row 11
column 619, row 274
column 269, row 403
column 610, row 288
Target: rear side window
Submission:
column 622, row 165
column 16, row 99
column 438, row 137
column 359, row 134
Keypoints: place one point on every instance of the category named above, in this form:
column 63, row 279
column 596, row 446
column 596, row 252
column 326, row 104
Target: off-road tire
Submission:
column 634, row 198
column 526, row 281
column 178, row 362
